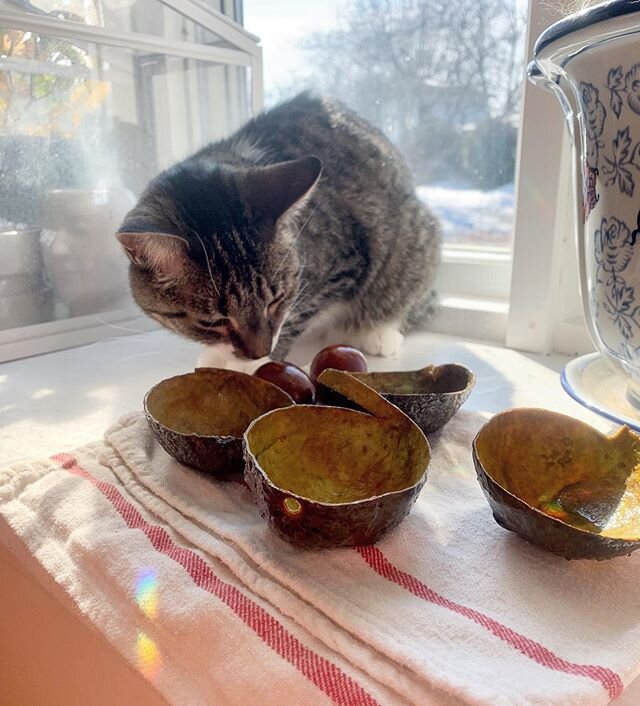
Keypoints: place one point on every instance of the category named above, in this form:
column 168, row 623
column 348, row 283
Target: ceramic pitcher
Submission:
column 591, row 60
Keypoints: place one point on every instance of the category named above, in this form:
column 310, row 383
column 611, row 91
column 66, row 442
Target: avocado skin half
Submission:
column 430, row 396
column 350, row 524
column 530, row 523
column 546, row 532
column 197, row 444
column 221, row 456
column 330, row 476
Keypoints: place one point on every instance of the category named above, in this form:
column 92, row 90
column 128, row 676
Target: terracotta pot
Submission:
column 83, row 259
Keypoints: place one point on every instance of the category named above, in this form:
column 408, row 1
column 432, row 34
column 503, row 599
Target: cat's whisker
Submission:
column 304, row 225
column 206, row 257
column 295, row 240
column 120, row 328
column 298, row 298
column 300, row 292
column 299, row 313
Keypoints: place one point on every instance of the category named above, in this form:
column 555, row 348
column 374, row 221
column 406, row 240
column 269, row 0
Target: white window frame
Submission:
column 541, row 311
column 476, row 284
column 545, row 313
column 31, row 340
column 473, row 287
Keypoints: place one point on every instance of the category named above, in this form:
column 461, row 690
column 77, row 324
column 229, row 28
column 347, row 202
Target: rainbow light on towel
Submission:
column 147, row 592
column 148, row 655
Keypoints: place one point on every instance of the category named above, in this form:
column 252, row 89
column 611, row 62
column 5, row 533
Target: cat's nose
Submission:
column 255, row 341
column 257, row 348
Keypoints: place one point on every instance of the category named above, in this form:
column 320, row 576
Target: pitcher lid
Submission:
column 583, row 19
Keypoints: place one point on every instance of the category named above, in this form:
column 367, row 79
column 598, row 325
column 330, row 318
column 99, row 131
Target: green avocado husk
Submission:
column 330, row 476
column 430, row 396
column 560, row 484
column 199, row 418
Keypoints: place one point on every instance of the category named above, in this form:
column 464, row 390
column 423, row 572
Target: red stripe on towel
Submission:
column 337, row 685
column 530, row 648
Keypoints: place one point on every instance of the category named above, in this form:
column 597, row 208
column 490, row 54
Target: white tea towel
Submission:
column 174, row 611
column 448, row 601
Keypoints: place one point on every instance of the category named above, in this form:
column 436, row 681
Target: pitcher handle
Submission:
column 550, row 78
column 535, row 73
column 581, row 241
column 551, row 82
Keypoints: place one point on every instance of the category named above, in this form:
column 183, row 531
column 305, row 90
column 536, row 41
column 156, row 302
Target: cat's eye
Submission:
column 275, row 303
column 216, row 323
column 169, row 314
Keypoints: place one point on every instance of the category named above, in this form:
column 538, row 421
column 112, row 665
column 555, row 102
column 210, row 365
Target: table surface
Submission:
column 49, row 653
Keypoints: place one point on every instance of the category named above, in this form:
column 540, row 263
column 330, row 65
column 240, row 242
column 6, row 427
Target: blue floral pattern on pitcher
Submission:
column 612, row 161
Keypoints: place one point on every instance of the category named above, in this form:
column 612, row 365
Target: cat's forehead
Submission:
column 195, row 200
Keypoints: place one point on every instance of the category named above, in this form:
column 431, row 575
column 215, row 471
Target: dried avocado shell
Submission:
column 328, row 476
column 430, row 396
column 199, row 418
column 560, row 484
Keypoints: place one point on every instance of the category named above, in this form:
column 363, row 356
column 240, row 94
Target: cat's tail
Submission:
column 422, row 311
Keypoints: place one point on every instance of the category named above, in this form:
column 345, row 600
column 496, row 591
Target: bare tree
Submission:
column 424, row 71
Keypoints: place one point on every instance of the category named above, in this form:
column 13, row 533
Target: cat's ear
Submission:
column 274, row 189
column 162, row 253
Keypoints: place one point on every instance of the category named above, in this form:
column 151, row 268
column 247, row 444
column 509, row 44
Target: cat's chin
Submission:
column 221, row 356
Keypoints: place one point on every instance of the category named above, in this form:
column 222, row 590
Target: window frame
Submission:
column 541, row 309
column 482, row 272
column 545, row 312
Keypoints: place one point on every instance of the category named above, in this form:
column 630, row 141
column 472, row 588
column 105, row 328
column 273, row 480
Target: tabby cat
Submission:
column 306, row 219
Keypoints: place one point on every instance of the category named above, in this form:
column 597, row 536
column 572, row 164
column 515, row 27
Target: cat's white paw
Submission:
column 221, row 356
column 384, row 340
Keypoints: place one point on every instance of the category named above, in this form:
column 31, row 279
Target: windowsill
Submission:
column 58, row 401
column 74, row 331
column 475, row 272
column 475, row 304
column 475, row 254
column 478, row 318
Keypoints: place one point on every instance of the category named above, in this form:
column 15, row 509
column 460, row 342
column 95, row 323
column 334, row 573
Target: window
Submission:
column 94, row 101
column 97, row 98
column 442, row 79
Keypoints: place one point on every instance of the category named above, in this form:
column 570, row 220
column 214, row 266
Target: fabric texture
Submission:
column 181, row 575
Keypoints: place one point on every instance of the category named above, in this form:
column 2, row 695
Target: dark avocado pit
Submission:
column 329, row 476
column 430, row 396
column 560, row 484
column 199, row 418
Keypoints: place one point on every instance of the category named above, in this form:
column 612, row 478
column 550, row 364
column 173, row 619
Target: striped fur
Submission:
column 268, row 248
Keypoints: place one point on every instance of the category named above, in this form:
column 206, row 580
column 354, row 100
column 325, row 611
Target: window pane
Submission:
column 441, row 78
column 83, row 127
